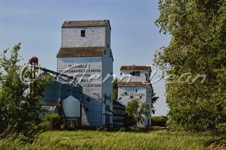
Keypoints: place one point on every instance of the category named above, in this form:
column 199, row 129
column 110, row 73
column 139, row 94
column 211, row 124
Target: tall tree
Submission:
column 154, row 98
column 132, row 111
column 115, row 89
column 197, row 47
column 19, row 111
column 137, row 111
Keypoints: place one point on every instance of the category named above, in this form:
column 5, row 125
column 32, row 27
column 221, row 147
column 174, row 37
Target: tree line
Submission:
column 197, row 46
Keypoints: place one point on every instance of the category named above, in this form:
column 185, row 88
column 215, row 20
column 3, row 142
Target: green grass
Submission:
column 157, row 140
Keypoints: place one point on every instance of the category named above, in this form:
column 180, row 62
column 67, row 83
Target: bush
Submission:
column 52, row 121
column 130, row 120
column 222, row 127
column 159, row 121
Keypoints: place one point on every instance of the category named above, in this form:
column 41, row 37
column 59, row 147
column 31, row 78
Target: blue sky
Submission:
column 37, row 25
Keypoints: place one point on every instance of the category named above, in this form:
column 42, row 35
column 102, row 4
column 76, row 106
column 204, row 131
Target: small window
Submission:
column 146, row 75
column 137, row 73
column 83, row 33
column 107, row 107
column 132, row 73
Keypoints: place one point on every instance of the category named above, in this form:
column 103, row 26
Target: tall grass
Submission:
column 70, row 140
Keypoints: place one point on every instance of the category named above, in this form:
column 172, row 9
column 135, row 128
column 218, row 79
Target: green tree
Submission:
column 19, row 111
column 159, row 121
column 132, row 109
column 137, row 111
column 52, row 121
column 154, row 98
column 115, row 89
column 197, row 47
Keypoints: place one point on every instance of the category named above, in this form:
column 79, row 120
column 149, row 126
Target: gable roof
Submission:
column 146, row 68
column 85, row 23
column 80, row 52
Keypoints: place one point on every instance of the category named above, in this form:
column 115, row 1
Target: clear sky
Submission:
column 37, row 25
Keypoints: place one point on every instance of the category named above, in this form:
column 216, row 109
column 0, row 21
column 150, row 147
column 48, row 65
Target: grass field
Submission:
column 70, row 140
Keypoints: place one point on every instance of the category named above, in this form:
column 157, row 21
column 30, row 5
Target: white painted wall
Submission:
column 101, row 66
column 107, row 84
column 86, row 70
column 108, row 36
column 90, row 73
column 143, row 94
column 144, row 76
column 126, row 94
column 94, row 36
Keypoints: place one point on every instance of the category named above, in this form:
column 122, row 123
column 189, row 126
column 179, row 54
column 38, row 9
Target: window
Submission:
column 107, row 107
column 132, row 73
column 146, row 75
column 83, row 33
column 137, row 73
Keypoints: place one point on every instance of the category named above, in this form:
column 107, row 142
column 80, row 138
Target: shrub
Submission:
column 130, row 120
column 159, row 121
column 52, row 121
column 222, row 127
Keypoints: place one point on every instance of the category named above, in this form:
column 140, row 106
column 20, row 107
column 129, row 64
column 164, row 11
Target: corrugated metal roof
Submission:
column 133, row 84
column 135, row 68
column 85, row 23
column 80, row 52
